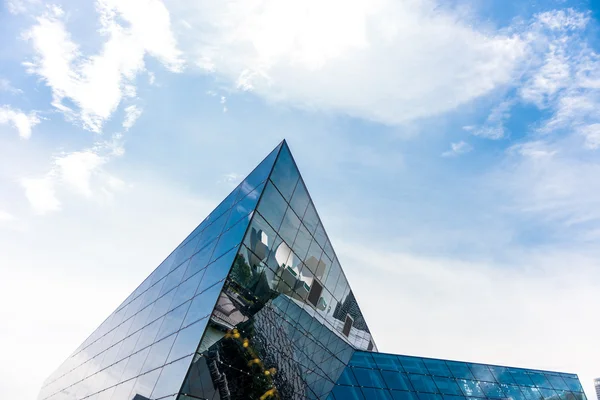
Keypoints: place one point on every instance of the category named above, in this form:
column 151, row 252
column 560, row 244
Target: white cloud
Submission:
column 41, row 194
column 552, row 172
column 457, row 149
column 592, row 136
column 387, row 61
column 6, row 86
column 231, row 177
column 132, row 113
column 21, row 121
column 96, row 84
column 20, row 6
column 6, row 216
column 76, row 170
column 493, row 128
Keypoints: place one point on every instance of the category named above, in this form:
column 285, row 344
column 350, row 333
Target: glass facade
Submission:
column 392, row 377
column 145, row 347
column 254, row 304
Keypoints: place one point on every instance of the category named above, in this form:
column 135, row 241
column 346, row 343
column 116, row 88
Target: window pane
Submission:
column 481, row 372
column 171, row 377
column 272, row 206
column 187, row 340
column 289, row 227
column 422, row 383
column 362, row 359
column 459, row 370
column 437, row 367
column 300, row 199
column 368, row 377
column 492, row 390
column 285, row 175
column 388, row 361
column 376, row 394
column 347, row 393
column 158, row 354
column 470, row 388
column 396, row 380
column 447, row 386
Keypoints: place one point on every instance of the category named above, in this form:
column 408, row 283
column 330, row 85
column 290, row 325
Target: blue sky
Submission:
column 451, row 149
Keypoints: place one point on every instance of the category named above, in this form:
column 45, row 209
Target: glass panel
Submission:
column 557, row 382
column 272, row 206
column 259, row 174
column 376, row 394
column 320, row 236
column 388, row 361
column 200, row 260
column 447, row 386
column 171, row 377
column 459, row 370
column 158, row 354
column 520, row 377
column 202, row 305
column 289, row 226
column 481, row 372
column 347, row 378
column 492, row 390
column 362, row 359
column 396, row 380
column 347, row 393
column 217, row 271
column 230, row 240
column 285, row 175
column 401, row 395
column 243, row 208
column 187, row 340
column 368, row 377
column 501, row 374
column 310, row 219
column 300, row 199
column 148, row 334
column 172, row 321
column 422, row 383
column 144, row 385
column 437, row 367
column 134, row 365
column 469, row 388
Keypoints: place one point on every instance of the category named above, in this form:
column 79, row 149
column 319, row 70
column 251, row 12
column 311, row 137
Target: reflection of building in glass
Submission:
column 254, row 304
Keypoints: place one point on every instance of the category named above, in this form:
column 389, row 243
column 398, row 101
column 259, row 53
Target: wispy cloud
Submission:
column 457, row 149
column 387, row 61
column 41, row 194
column 132, row 113
column 21, row 121
column 6, row 86
column 96, row 84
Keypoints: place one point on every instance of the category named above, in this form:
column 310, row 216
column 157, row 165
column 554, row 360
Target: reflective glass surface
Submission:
column 388, row 376
column 145, row 347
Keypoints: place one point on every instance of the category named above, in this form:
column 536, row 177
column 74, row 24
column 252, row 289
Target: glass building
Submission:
column 254, row 305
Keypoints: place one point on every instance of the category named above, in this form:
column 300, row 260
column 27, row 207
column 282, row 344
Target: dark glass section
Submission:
column 144, row 348
column 387, row 376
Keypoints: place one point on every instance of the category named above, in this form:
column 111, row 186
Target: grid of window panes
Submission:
column 269, row 316
column 287, row 237
column 145, row 347
column 301, row 357
column 379, row 376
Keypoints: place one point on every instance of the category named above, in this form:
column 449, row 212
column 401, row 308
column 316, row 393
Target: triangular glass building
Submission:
column 254, row 305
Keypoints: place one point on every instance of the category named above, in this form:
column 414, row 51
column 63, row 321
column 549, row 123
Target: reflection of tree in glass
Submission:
column 241, row 271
